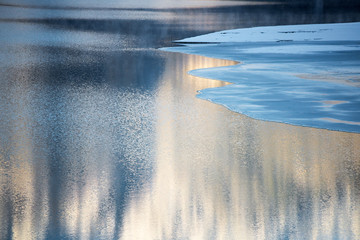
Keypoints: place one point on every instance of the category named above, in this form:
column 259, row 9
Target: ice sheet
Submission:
column 286, row 81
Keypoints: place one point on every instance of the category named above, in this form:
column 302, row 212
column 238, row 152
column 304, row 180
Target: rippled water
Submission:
column 102, row 137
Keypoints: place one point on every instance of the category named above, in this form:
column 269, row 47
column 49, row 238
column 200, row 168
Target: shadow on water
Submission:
column 101, row 136
column 119, row 69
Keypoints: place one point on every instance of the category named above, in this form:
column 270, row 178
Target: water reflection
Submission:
column 235, row 178
column 69, row 158
column 101, row 137
column 73, row 154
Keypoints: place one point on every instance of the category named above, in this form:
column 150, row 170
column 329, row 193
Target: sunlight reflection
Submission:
column 225, row 176
column 72, row 183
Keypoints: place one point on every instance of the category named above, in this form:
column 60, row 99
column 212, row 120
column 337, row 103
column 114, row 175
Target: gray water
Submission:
column 102, row 137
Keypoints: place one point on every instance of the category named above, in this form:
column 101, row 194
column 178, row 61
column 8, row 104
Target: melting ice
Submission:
column 305, row 75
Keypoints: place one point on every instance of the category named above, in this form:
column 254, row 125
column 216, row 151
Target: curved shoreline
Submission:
column 273, row 82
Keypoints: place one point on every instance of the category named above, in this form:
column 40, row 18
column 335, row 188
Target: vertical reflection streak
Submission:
column 220, row 175
column 24, row 194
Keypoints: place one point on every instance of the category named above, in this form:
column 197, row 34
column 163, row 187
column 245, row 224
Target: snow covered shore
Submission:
column 307, row 75
column 310, row 32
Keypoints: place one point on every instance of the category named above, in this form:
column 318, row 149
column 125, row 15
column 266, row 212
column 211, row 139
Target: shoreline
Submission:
column 285, row 81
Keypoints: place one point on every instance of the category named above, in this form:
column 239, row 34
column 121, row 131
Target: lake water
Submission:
column 102, row 136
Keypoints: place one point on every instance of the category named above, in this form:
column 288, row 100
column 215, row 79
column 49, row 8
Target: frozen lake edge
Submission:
column 306, row 75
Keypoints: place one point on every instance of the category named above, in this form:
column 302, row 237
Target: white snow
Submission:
column 314, row 32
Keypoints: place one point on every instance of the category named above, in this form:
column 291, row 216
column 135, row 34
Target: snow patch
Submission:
column 288, row 33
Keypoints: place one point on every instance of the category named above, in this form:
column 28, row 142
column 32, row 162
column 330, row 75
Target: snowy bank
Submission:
column 307, row 75
column 313, row 32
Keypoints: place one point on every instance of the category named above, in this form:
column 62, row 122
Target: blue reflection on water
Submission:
column 312, row 89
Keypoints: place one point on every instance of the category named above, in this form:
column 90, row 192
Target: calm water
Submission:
column 102, row 137
column 268, row 86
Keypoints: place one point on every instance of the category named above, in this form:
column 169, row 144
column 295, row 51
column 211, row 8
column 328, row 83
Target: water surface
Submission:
column 102, row 137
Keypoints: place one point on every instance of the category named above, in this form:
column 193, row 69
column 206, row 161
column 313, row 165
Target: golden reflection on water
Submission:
column 217, row 174
column 220, row 175
column 19, row 199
